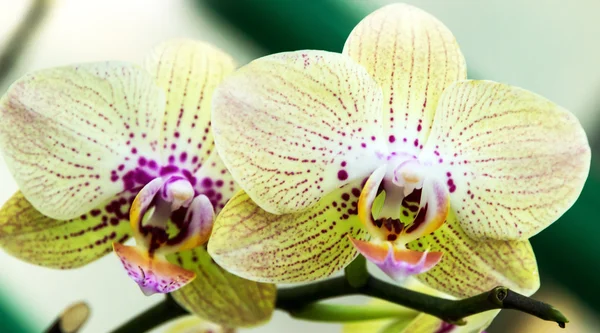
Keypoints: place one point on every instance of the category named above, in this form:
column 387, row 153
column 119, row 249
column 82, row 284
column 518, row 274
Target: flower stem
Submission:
column 302, row 302
column 157, row 315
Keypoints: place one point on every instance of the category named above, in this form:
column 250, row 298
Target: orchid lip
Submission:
column 396, row 261
column 150, row 216
column 414, row 204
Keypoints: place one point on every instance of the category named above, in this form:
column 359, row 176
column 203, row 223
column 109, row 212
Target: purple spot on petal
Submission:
column 342, row 175
column 207, row 182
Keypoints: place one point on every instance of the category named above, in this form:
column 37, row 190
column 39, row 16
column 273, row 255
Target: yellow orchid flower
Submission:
column 389, row 150
column 94, row 145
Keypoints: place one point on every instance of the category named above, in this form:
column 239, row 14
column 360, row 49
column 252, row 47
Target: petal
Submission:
column 215, row 182
column 35, row 238
column 413, row 57
column 292, row 127
column 188, row 71
column 396, row 262
column 306, row 246
column 194, row 324
column 470, row 266
column 67, row 132
column 516, row 161
column 425, row 323
column 220, row 296
column 152, row 274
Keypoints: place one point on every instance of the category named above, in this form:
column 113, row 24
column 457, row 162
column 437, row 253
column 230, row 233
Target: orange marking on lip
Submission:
column 372, row 251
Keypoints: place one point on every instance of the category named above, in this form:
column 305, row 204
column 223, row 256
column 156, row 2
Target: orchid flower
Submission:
column 95, row 145
column 388, row 150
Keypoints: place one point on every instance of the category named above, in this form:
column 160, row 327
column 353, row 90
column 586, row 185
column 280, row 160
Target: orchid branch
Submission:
column 302, row 302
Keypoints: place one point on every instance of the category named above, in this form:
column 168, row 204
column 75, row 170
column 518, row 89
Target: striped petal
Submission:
column 517, row 161
column 35, row 238
column 252, row 243
column 470, row 266
column 188, row 71
column 71, row 136
column 292, row 127
column 413, row 57
column 215, row 182
column 220, row 296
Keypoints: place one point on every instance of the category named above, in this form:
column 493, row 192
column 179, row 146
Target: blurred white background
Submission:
column 496, row 37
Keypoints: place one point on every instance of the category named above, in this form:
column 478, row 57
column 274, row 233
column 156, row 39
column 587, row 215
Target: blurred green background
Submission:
column 555, row 41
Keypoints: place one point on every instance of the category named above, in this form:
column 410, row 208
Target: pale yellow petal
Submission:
column 72, row 136
column 292, row 127
column 413, row 57
column 516, row 161
column 469, row 267
column 188, row 71
column 35, row 238
column 305, row 246
column 220, row 296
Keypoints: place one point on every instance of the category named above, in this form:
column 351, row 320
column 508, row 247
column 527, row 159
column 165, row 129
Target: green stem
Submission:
column 348, row 313
column 301, row 302
column 153, row 317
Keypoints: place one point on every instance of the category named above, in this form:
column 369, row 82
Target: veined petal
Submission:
column 67, row 133
column 215, row 182
column 188, row 71
column 292, row 127
column 252, row 243
column 425, row 323
column 413, row 57
column 35, row 238
column 220, row 296
column 515, row 161
column 470, row 266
